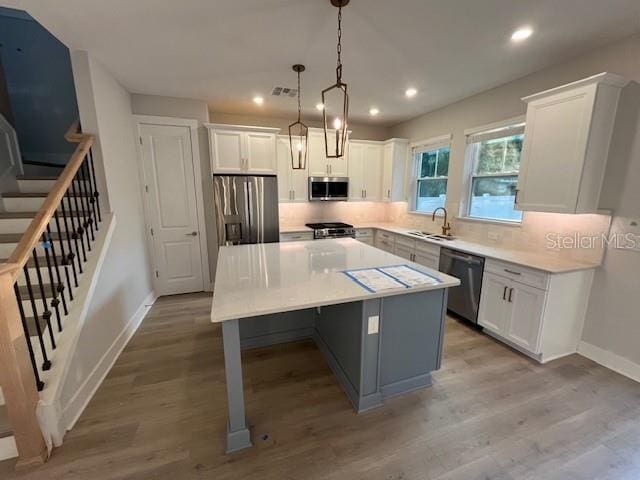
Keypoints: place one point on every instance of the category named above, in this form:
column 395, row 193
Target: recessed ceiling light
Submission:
column 320, row 106
column 521, row 34
column 373, row 111
column 411, row 92
column 258, row 100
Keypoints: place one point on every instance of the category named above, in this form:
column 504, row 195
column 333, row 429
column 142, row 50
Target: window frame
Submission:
column 475, row 136
column 421, row 147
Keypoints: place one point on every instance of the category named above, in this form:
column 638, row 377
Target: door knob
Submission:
column 192, row 234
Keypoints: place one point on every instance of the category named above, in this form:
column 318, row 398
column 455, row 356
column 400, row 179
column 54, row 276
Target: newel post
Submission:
column 16, row 376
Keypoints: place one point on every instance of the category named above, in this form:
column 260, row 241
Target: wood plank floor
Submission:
column 491, row 414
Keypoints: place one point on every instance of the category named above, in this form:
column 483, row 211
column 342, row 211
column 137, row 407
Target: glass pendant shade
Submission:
column 298, row 133
column 335, row 113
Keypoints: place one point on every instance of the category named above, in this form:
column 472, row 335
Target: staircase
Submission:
column 48, row 229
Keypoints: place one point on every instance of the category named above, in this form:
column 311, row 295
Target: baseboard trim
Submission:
column 72, row 411
column 610, row 360
column 405, row 386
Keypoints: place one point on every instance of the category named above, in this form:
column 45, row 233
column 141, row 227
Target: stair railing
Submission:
column 50, row 256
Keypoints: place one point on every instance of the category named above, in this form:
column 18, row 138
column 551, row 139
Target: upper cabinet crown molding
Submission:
column 225, row 126
column 566, row 144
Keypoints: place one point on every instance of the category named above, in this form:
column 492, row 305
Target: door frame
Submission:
column 197, row 173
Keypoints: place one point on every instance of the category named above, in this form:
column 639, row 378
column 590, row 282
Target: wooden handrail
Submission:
column 36, row 228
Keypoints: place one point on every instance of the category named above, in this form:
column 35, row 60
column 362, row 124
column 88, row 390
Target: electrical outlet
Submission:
column 374, row 324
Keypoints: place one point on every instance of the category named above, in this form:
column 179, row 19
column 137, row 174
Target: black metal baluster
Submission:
column 96, row 194
column 79, row 230
column 64, row 260
column 27, row 335
column 74, row 232
column 54, row 283
column 69, row 235
column 82, row 187
column 46, row 314
column 46, row 365
column 92, row 200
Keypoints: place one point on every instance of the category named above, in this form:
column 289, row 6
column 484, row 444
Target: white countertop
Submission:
column 539, row 261
column 268, row 278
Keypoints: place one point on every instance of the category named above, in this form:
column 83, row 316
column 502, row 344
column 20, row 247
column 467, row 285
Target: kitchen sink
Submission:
column 433, row 236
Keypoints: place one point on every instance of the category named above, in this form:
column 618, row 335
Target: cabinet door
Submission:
column 284, row 170
column 260, row 152
column 227, row 151
column 299, row 185
column 404, row 252
column 318, row 166
column 384, row 243
column 430, row 261
column 555, row 143
column 356, row 171
column 495, row 310
column 387, row 171
column 372, row 173
column 338, row 167
column 523, row 327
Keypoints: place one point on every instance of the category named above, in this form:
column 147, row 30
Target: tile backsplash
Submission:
column 539, row 232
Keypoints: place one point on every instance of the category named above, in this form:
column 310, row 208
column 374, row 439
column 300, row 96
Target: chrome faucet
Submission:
column 446, row 226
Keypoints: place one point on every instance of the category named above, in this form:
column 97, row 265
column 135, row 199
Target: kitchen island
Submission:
column 379, row 342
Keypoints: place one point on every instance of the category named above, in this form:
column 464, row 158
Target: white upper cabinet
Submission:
column 292, row 184
column 240, row 149
column 319, row 164
column 395, row 154
column 365, row 170
column 566, row 143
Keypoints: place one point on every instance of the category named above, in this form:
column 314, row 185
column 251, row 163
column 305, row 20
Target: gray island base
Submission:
column 377, row 348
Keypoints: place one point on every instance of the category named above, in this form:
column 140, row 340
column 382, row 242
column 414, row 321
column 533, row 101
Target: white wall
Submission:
column 612, row 323
column 196, row 110
column 124, row 282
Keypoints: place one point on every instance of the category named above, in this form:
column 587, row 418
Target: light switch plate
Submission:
column 374, row 325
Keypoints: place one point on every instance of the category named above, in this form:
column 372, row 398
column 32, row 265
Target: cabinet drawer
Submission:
column 381, row 234
column 364, row 233
column 525, row 275
column 427, row 248
column 296, row 236
column 405, row 242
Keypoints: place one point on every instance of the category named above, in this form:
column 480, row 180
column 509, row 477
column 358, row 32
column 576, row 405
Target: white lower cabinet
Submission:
column 417, row 251
column 538, row 313
column 295, row 236
column 385, row 241
column 513, row 310
column 365, row 235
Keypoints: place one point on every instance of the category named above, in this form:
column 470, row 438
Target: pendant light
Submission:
column 299, row 130
column 336, row 101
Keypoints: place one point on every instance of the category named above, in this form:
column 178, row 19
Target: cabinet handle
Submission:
column 365, row 193
column 388, row 193
column 510, row 293
column 512, row 272
column 515, row 200
column 504, row 293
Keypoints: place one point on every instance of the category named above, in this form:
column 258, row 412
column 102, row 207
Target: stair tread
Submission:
column 35, row 288
column 5, row 428
column 5, row 215
column 40, row 194
column 37, row 177
column 15, row 237
column 42, row 260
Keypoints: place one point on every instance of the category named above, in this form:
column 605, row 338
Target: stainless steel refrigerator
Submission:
column 246, row 209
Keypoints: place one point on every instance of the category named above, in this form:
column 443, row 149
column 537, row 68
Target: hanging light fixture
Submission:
column 336, row 101
column 300, row 131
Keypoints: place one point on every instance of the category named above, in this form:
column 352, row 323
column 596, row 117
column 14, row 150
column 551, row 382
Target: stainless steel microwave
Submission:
column 328, row 188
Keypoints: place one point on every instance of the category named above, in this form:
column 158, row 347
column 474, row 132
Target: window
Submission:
column 432, row 167
column 495, row 163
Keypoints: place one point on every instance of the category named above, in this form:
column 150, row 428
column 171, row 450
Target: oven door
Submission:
column 328, row 188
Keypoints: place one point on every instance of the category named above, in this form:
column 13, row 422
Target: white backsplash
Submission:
column 530, row 236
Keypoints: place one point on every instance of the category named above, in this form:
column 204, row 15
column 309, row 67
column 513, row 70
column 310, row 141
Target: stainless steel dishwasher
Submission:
column 464, row 300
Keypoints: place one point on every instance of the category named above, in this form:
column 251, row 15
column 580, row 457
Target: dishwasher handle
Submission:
column 470, row 260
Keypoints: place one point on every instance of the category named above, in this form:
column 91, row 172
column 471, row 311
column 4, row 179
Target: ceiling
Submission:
column 226, row 52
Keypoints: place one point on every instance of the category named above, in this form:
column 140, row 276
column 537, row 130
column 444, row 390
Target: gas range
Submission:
column 332, row 230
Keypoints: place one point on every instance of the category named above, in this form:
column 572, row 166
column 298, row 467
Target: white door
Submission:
column 168, row 169
column 372, row 173
column 524, row 325
column 260, row 152
column 495, row 310
column 356, row 174
column 227, row 151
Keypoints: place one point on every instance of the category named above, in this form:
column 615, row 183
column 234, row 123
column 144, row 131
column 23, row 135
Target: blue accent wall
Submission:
column 39, row 81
